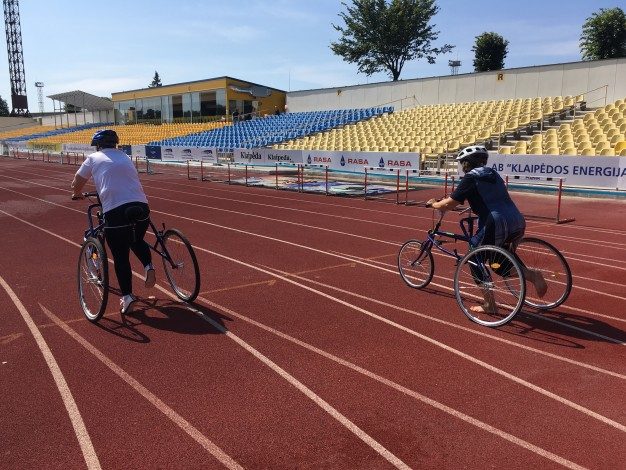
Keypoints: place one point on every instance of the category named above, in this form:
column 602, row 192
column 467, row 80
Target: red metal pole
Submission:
column 246, row 174
column 276, row 176
column 558, row 204
column 506, row 180
column 201, row 170
column 406, row 189
column 397, row 186
column 228, row 165
column 326, row 180
column 365, row 185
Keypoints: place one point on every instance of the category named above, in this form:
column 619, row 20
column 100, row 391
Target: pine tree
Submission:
column 156, row 81
column 4, row 107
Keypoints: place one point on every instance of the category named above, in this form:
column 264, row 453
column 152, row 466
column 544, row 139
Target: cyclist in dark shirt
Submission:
column 500, row 223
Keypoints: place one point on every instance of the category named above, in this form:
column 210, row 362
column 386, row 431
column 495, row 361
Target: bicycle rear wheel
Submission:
column 416, row 264
column 539, row 255
column 489, row 278
column 93, row 279
column 181, row 269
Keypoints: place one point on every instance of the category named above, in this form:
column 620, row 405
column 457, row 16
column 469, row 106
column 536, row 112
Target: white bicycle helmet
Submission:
column 477, row 155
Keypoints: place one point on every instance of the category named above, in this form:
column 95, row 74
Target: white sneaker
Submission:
column 150, row 278
column 126, row 302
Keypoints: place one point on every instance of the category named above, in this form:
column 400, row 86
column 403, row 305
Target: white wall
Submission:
column 528, row 82
column 77, row 119
column 11, row 123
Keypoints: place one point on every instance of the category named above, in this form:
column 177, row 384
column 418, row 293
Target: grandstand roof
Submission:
column 85, row 100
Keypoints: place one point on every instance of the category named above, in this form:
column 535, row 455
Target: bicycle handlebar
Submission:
column 87, row 195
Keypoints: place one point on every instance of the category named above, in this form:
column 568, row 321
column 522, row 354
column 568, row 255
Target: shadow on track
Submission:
column 175, row 317
column 543, row 327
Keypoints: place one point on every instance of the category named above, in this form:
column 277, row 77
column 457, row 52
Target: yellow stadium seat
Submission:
column 588, row 152
column 620, row 146
column 607, row 152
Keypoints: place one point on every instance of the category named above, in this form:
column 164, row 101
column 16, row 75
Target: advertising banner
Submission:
column 21, row 146
column 280, row 156
column 357, row 161
column 250, row 156
column 207, row 154
column 153, row 152
column 263, row 156
column 138, row 151
column 78, row 148
column 126, row 149
column 594, row 172
column 181, row 154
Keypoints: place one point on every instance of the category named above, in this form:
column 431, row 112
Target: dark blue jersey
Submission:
column 486, row 193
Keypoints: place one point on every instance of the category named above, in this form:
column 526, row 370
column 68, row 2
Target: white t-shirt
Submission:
column 115, row 177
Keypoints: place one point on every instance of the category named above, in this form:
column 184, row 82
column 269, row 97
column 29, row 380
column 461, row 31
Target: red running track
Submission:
column 304, row 349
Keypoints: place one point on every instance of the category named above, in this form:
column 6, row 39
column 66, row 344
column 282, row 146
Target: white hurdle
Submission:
column 548, row 181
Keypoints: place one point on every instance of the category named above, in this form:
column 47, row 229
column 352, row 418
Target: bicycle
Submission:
column 489, row 270
column 179, row 261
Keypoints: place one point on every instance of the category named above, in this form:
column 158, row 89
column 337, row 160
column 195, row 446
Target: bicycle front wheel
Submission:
column 93, row 279
column 416, row 264
column 489, row 286
column 541, row 256
column 181, row 265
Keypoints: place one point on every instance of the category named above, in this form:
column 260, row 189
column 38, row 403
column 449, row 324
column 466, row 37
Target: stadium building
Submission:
column 197, row 101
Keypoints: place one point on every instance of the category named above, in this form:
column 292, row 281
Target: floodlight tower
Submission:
column 19, row 101
column 454, row 66
column 39, row 86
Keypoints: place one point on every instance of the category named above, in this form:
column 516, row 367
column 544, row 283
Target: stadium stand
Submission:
column 131, row 134
column 598, row 132
column 24, row 131
column 435, row 130
column 274, row 129
column 61, row 133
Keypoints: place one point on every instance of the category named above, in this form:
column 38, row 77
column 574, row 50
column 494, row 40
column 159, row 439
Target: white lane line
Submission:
column 357, row 260
column 459, row 327
column 532, row 224
column 392, row 268
column 177, row 419
column 403, row 328
column 86, row 446
column 570, row 258
column 227, row 461
column 391, row 458
column 404, row 390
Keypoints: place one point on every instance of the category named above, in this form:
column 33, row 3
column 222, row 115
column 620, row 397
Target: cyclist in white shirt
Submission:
column 125, row 208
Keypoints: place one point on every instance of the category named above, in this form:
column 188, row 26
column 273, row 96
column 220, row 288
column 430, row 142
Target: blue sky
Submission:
column 105, row 47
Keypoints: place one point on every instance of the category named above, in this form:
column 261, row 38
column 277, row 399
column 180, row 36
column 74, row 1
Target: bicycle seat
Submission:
column 135, row 214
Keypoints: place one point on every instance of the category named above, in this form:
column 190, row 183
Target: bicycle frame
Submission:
column 467, row 226
column 99, row 232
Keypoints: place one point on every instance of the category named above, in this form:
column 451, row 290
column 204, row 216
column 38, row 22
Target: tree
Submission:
column 4, row 107
column 70, row 108
column 489, row 50
column 604, row 35
column 156, row 81
column 381, row 35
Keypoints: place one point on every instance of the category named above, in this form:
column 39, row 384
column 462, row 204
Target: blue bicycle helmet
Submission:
column 106, row 138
